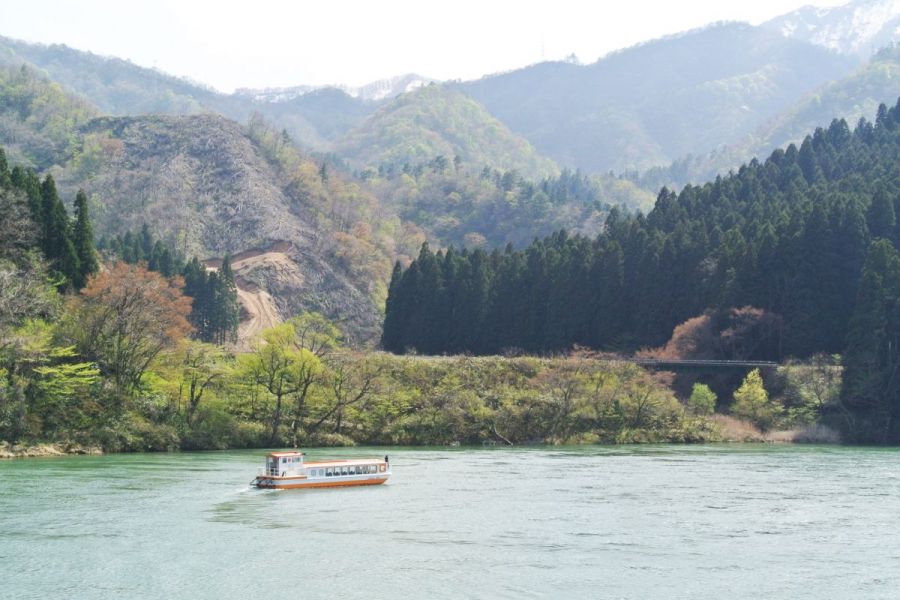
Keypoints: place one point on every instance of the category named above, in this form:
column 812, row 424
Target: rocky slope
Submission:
column 205, row 186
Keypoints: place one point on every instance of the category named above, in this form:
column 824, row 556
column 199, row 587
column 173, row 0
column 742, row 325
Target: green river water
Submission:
column 715, row 521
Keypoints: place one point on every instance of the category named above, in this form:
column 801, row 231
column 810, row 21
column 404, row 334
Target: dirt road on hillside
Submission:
column 259, row 308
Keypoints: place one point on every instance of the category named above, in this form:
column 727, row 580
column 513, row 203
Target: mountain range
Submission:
column 344, row 181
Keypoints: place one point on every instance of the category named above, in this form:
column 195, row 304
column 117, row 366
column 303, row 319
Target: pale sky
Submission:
column 260, row 43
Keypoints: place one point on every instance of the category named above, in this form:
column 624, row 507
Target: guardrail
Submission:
column 663, row 362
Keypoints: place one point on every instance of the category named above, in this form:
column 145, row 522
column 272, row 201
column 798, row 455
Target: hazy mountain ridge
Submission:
column 119, row 87
column 850, row 98
column 857, row 28
column 653, row 103
column 375, row 91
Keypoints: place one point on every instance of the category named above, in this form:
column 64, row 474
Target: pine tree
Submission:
column 145, row 242
column 391, row 333
column 228, row 311
column 5, row 178
column 871, row 391
column 880, row 216
column 83, row 241
column 56, row 239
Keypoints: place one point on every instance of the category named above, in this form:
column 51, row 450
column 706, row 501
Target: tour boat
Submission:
column 287, row 470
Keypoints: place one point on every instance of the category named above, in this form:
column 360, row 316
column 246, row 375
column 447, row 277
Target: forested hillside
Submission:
column 38, row 120
column 437, row 121
column 788, row 235
column 99, row 355
column 458, row 203
column 208, row 187
column 651, row 104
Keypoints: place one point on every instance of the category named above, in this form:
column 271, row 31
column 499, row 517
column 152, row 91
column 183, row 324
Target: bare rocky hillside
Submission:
column 205, row 186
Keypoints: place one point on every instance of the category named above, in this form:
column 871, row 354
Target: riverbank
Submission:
column 734, row 430
column 723, row 429
column 8, row 450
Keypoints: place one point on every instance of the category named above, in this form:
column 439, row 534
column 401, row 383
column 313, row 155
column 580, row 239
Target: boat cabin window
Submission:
column 343, row 470
column 328, row 472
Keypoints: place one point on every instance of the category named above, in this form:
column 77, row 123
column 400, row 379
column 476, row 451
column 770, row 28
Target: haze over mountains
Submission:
column 351, row 179
column 641, row 107
column 856, row 28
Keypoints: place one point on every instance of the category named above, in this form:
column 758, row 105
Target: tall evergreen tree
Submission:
column 227, row 311
column 871, row 389
column 391, row 334
column 56, row 238
column 5, row 177
column 84, row 241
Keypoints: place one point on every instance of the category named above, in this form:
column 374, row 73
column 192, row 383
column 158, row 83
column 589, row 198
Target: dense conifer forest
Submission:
column 789, row 236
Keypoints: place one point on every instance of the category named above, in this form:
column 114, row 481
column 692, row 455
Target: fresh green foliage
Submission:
column 459, row 205
column 435, row 121
column 282, row 369
column 810, row 390
column 46, row 391
column 702, row 400
column 751, row 402
column 38, row 120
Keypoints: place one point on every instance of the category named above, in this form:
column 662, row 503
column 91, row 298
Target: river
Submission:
column 642, row 522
